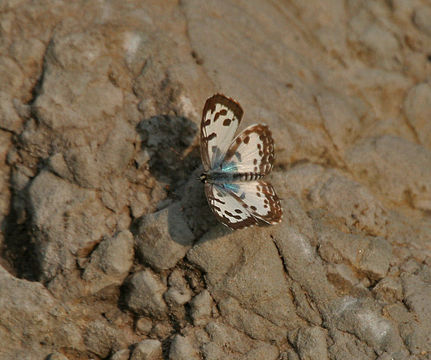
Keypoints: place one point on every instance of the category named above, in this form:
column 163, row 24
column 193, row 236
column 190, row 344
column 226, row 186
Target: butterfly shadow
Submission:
column 169, row 148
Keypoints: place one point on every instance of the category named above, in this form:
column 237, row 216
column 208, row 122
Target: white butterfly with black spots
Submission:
column 233, row 167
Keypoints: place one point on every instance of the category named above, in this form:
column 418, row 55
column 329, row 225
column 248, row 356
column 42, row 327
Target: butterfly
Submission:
column 234, row 167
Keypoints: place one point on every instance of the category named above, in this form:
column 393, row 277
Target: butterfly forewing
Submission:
column 243, row 204
column 251, row 151
column 220, row 119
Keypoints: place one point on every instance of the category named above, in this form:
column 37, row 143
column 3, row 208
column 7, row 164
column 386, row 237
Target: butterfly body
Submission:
column 234, row 167
column 221, row 177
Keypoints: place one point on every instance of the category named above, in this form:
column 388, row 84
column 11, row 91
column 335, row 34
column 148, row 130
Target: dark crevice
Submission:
column 281, row 257
column 19, row 249
column 39, row 82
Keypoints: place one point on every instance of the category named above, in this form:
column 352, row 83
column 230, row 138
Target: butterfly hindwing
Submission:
column 251, row 151
column 227, row 209
column 260, row 199
column 220, row 119
column 243, row 204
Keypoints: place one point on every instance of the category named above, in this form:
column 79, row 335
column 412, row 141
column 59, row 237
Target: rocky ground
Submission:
column 108, row 247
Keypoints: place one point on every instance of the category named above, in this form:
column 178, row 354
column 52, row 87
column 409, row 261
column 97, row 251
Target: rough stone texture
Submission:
column 201, row 308
column 182, row 349
column 311, row 343
column 417, row 288
column 147, row 350
column 59, row 356
column 110, row 262
column 369, row 255
column 264, row 351
column 417, row 106
column 30, row 313
column 144, row 325
column 163, row 238
column 178, row 292
column 66, row 221
column 99, row 337
column 100, row 106
column 363, row 319
column 121, row 355
column 145, row 295
column 5, row 194
column 386, row 160
column 226, row 342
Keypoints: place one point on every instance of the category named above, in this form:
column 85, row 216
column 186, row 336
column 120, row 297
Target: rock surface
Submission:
column 145, row 295
column 108, row 248
column 163, row 238
column 147, row 350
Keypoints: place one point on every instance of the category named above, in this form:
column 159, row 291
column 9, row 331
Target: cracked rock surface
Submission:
column 108, row 249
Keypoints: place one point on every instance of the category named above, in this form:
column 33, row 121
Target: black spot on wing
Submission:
column 211, row 136
column 228, row 213
column 220, row 113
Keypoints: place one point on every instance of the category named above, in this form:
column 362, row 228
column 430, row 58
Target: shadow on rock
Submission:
column 167, row 148
column 18, row 249
column 170, row 152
